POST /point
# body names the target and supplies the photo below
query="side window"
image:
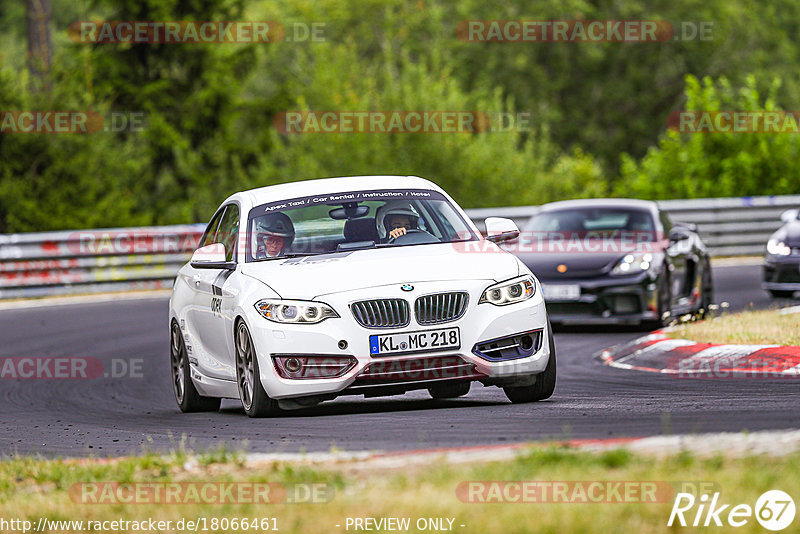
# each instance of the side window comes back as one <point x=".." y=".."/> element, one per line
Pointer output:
<point x="211" y="230"/>
<point x="229" y="230"/>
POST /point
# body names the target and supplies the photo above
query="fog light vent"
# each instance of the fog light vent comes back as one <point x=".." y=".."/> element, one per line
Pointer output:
<point x="304" y="366"/>
<point x="510" y="347"/>
<point x="623" y="304"/>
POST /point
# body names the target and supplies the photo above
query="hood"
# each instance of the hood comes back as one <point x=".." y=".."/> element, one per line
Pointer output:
<point x="309" y="277"/>
<point x="586" y="265"/>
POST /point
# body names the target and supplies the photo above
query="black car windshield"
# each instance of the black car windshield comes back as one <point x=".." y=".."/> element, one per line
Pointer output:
<point x="606" y="222"/>
<point x="323" y="224"/>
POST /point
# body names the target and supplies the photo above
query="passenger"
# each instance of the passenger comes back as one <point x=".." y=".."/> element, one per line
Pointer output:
<point x="274" y="235"/>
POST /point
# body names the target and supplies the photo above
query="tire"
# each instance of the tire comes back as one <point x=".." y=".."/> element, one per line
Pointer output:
<point x="781" y="294"/>
<point x="255" y="401"/>
<point x="706" y="291"/>
<point x="449" y="391"/>
<point x="545" y="381"/>
<point x="662" y="305"/>
<point x="186" y="395"/>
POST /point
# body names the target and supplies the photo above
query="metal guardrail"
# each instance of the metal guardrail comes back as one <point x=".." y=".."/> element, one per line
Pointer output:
<point x="87" y="261"/>
<point x="121" y="259"/>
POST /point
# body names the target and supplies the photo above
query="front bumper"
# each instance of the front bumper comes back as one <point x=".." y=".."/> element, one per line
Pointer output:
<point x="480" y="323"/>
<point x="607" y="300"/>
<point x="781" y="273"/>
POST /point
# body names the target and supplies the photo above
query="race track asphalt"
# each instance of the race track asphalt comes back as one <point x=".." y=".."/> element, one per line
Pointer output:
<point x="117" y="416"/>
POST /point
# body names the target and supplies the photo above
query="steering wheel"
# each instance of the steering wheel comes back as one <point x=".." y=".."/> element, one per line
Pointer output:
<point x="414" y="234"/>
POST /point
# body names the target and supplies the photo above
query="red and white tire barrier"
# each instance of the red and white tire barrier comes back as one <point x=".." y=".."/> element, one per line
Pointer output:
<point x="681" y="358"/>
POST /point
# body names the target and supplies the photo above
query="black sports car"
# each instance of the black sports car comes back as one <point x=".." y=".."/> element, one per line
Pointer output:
<point x="616" y="261"/>
<point x="782" y="260"/>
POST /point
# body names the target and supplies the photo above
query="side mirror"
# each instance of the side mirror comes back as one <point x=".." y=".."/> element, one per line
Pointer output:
<point x="789" y="215"/>
<point x="678" y="234"/>
<point x="499" y="229"/>
<point x="692" y="227"/>
<point x="211" y="257"/>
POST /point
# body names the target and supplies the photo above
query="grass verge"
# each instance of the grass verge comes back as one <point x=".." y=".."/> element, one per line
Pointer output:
<point x="759" y="327"/>
<point x="34" y="488"/>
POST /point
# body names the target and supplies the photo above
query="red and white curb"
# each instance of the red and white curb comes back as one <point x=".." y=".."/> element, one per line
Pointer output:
<point x="448" y="455"/>
<point x="731" y="444"/>
<point x="657" y="353"/>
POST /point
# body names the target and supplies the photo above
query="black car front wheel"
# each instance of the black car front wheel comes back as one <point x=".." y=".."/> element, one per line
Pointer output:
<point x="706" y="290"/>
<point x="663" y="304"/>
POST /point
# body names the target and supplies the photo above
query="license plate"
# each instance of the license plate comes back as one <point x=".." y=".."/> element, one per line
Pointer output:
<point x="406" y="342"/>
<point x="561" y="292"/>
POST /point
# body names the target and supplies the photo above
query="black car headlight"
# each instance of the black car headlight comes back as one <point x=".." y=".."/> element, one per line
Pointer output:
<point x="633" y="264"/>
<point x="777" y="247"/>
<point x="294" y="311"/>
<point x="510" y="291"/>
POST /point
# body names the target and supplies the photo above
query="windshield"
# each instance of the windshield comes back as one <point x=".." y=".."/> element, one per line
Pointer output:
<point x="339" y="222"/>
<point x="599" y="222"/>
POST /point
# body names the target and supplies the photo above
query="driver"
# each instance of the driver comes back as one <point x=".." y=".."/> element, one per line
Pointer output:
<point x="399" y="220"/>
<point x="274" y="234"/>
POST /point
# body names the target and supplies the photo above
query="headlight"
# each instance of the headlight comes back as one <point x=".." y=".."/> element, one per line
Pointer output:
<point x="778" y="248"/>
<point x="510" y="291"/>
<point x="633" y="263"/>
<point x="294" y="311"/>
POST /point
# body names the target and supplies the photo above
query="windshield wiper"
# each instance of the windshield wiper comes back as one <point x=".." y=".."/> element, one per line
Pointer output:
<point x="356" y="245"/>
<point x="301" y="254"/>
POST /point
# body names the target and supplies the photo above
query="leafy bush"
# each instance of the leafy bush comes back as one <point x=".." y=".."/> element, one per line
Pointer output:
<point x="210" y="109"/>
<point x="697" y="165"/>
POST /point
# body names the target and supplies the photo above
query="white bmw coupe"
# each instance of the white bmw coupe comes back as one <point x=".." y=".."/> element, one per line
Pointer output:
<point x="372" y="285"/>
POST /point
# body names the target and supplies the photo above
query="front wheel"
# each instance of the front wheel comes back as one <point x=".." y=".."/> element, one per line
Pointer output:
<point x="545" y="381"/>
<point x="189" y="400"/>
<point x="706" y="291"/>
<point x="663" y="304"/>
<point x="254" y="399"/>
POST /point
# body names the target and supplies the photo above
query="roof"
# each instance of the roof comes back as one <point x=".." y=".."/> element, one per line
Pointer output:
<point x="323" y="186"/>
<point x="601" y="202"/>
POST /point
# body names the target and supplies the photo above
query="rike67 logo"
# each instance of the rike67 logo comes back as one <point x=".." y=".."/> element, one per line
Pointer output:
<point x="774" y="510"/>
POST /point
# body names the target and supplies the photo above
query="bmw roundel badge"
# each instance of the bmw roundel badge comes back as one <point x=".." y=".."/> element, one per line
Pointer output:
<point x="407" y="287"/>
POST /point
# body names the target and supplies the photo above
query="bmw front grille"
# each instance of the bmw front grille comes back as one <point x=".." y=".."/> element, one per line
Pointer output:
<point x="440" y="307"/>
<point x="381" y="313"/>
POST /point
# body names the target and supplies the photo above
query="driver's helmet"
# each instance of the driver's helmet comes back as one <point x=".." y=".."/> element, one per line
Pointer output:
<point x="274" y="224"/>
<point x="386" y="212"/>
